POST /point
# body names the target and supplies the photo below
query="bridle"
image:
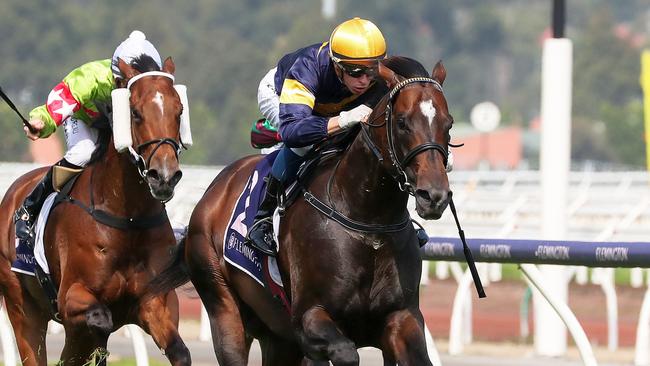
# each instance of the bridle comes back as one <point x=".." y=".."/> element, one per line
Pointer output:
<point x="139" y="160"/>
<point x="136" y="153"/>
<point x="400" y="165"/>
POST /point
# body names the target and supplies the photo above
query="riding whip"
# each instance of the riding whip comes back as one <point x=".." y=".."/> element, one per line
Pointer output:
<point x="13" y="106"/>
<point x="468" y="253"/>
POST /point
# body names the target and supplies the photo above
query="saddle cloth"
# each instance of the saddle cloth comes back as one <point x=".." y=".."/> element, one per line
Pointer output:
<point x="237" y="251"/>
<point x="26" y="259"/>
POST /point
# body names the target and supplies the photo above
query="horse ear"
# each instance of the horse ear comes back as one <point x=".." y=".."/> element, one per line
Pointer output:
<point x="126" y="69"/>
<point x="439" y="72"/>
<point x="389" y="76"/>
<point x="169" y="66"/>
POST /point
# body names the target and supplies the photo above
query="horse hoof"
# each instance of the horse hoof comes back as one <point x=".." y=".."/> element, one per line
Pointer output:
<point x="99" y="317"/>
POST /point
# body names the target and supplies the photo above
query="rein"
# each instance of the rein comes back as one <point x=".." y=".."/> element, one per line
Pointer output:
<point x="103" y="217"/>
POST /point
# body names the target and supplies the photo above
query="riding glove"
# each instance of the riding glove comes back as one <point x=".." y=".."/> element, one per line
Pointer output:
<point x="353" y="116"/>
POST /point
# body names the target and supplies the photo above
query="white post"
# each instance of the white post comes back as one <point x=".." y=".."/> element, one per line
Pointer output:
<point x="9" y="350"/>
<point x="641" y="356"/>
<point x="139" y="344"/>
<point x="424" y="276"/>
<point x="328" y="9"/>
<point x="432" y="351"/>
<point x="205" y="333"/>
<point x="462" y="296"/>
<point x="539" y="284"/>
<point x="550" y="333"/>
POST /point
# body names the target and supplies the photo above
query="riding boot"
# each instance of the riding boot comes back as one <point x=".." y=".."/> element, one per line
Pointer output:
<point x="26" y="215"/>
<point x="261" y="233"/>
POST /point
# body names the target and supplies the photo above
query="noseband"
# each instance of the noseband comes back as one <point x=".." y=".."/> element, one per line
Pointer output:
<point x="139" y="160"/>
<point x="400" y="166"/>
<point x="136" y="154"/>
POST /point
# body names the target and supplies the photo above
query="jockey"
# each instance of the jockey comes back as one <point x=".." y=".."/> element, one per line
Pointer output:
<point x="72" y="104"/>
<point x="314" y="92"/>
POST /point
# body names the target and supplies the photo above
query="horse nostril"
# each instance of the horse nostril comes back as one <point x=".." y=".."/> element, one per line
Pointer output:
<point x="176" y="178"/>
<point x="423" y="194"/>
<point x="152" y="174"/>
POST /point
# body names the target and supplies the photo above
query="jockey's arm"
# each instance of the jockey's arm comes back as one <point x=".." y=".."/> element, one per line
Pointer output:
<point x="73" y="96"/>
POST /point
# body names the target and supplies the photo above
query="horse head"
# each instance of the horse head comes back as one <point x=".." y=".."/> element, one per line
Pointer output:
<point x="416" y="136"/>
<point x="153" y="117"/>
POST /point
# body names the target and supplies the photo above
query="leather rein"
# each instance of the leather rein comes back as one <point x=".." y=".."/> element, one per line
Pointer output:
<point x="400" y="176"/>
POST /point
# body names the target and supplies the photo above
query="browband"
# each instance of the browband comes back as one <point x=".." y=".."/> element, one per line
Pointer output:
<point x="148" y="73"/>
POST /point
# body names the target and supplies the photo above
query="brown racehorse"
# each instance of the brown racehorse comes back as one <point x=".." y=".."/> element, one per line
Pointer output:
<point x="101" y="269"/>
<point x="352" y="282"/>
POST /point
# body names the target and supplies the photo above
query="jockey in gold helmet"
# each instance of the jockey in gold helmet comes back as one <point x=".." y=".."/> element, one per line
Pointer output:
<point x="314" y="92"/>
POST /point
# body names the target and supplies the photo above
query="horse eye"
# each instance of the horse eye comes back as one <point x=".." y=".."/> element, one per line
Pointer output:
<point x="401" y="123"/>
<point x="135" y="115"/>
<point x="178" y="118"/>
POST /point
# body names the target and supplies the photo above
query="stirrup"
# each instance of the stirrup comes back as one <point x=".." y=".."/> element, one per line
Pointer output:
<point x="21" y="214"/>
<point x="269" y="248"/>
<point x="24" y="225"/>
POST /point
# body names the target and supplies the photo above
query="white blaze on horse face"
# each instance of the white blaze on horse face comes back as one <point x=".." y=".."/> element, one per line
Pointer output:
<point x="428" y="110"/>
<point x="158" y="100"/>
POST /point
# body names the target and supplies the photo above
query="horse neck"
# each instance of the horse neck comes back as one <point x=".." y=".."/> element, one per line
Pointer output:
<point x="365" y="188"/>
<point x="118" y="187"/>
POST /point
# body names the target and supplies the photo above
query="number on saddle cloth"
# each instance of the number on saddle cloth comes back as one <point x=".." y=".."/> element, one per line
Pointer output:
<point x="235" y="247"/>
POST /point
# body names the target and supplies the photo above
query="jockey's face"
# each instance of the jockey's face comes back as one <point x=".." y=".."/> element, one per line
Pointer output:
<point x="357" y="78"/>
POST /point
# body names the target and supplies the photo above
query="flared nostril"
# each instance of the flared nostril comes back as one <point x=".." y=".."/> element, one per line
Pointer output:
<point x="434" y="197"/>
<point x="423" y="194"/>
<point x="176" y="178"/>
<point x="152" y="174"/>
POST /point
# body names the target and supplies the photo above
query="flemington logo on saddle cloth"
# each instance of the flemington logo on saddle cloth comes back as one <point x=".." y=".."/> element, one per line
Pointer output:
<point x="235" y="248"/>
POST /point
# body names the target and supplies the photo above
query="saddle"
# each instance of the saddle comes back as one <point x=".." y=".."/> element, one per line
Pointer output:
<point x="237" y="251"/>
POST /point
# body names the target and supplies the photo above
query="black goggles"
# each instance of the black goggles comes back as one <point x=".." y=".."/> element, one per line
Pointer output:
<point x="357" y="71"/>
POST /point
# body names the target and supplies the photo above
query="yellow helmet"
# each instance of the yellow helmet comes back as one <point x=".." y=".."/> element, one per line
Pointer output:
<point x="357" y="40"/>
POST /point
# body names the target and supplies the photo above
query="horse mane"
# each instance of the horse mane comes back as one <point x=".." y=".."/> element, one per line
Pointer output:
<point x="102" y="123"/>
<point x="405" y="66"/>
<point x="144" y="63"/>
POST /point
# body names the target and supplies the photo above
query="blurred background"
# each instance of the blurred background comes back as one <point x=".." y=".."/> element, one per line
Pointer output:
<point x="222" y="48"/>
<point x="492" y="52"/>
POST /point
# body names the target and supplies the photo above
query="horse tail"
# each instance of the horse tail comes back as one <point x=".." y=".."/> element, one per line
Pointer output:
<point x="174" y="275"/>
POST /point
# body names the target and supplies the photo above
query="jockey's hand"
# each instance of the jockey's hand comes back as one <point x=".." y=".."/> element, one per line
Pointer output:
<point x="37" y="126"/>
<point x="354" y="116"/>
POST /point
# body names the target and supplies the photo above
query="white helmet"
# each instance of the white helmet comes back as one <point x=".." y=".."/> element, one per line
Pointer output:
<point x="131" y="48"/>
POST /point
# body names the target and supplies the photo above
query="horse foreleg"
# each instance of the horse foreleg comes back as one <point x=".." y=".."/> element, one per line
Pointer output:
<point x="322" y="339"/>
<point x="403" y="340"/>
<point x="82" y="312"/>
<point x="159" y="317"/>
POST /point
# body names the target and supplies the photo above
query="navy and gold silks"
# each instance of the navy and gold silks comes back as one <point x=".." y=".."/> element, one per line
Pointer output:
<point x="310" y="93"/>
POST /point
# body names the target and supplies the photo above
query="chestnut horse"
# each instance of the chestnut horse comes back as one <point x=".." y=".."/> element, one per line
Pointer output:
<point x="352" y="279"/>
<point x="101" y="268"/>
